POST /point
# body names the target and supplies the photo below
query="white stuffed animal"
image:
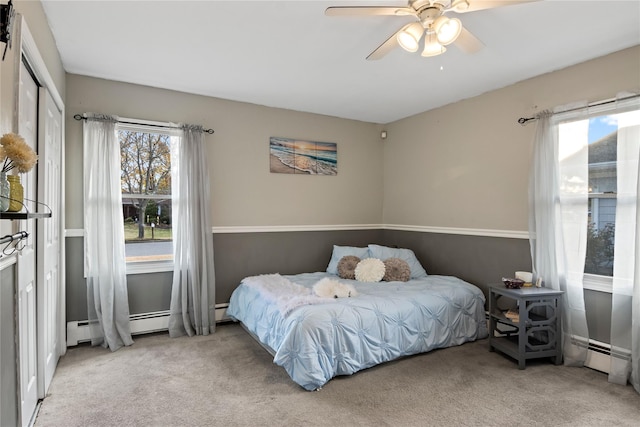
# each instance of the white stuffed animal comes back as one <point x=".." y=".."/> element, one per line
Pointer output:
<point x="329" y="288"/>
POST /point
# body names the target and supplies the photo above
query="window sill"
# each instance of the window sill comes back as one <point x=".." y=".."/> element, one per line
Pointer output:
<point x="147" y="267"/>
<point x="593" y="282"/>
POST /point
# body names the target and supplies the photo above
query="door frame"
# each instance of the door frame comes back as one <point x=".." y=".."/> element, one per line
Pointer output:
<point x="27" y="48"/>
<point x="32" y="55"/>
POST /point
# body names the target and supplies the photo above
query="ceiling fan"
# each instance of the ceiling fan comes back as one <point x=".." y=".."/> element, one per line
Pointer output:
<point x="438" y="29"/>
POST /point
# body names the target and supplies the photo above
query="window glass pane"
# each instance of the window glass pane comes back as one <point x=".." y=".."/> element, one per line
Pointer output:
<point x="603" y="140"/>
<point x="146" y="195"/>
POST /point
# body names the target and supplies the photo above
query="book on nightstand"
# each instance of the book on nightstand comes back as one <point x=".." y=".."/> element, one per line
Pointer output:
<point x="512" y="315"/>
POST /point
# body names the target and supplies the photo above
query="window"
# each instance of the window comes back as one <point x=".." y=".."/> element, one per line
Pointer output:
<point x="602" y="130"/>
<point x="145" y="156"/>
<point x="603" y="143"/>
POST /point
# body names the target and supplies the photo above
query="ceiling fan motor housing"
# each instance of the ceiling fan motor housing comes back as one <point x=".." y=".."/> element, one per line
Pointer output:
<point x="428" y="15"/>
<point x="419" y="5"/>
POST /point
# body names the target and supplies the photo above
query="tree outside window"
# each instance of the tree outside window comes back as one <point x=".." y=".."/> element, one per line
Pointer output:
<point x="603" y="140"/>
<point x="146" y="194"/>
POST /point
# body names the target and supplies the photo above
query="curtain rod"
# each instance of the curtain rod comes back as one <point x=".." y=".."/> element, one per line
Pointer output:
<point x="81" y="117"/>
<point x="524" y="120"/>
<point x="10" y="238"/>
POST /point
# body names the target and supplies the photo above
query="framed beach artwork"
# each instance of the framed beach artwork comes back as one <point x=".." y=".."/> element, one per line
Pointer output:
<point x="295" y="156"/>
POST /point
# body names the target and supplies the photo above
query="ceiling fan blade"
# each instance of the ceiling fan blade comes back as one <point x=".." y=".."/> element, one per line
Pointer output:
<point x="368" y="11"/>
<point x="467" y="42"/>
<point x="475" y="5"/>
<point x="385" y="47"/>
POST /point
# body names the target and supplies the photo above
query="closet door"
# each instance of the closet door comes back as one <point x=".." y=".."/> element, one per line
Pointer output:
<point x="49" y="239"/>
<point x="26" y="263"/>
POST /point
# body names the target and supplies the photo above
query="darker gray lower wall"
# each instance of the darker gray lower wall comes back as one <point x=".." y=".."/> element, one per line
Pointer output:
<point x="236" y="255"/>
<point x="147" y="292"/>
<point x="477" y="259"/>
<point x="597" y="305"/>
<point x="8" y="373"/>
<point x="76" y="286"/>
<point x="239" y="255"/>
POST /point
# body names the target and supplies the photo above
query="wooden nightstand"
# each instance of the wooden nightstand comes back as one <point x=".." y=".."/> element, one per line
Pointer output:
<point x="533" y="329"/>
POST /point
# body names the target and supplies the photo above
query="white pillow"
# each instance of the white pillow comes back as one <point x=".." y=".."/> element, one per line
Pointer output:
<point x="370" y="270"/>
<point x="384" y="252"/>
<point x="340" y="251"/>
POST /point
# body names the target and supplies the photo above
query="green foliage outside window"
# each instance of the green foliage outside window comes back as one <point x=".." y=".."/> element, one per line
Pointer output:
<point x="600" y="245"/>
<point x="146" y="170"/>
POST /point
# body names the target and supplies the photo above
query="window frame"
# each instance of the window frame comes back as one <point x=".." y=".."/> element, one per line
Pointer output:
<point x="596" y="282"/>
<point x="151" y="266"/>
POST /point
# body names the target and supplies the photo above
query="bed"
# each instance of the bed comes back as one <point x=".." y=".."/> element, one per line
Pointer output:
<point x="317" y="338"/>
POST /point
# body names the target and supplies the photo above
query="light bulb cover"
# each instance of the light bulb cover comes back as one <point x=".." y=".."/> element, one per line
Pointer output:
<point x="460" y="5"/>
<point x="447" y="29"/>
<point x="431" y="46"/>
<point x="409" y="37"/>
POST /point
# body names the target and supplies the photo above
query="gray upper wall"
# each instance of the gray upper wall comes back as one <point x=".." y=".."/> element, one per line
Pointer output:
<point x="243" y="191"/>
<point x="467" y="164"/>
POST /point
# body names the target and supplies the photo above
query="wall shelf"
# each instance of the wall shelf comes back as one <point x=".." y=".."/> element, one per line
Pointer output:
<point x="24" y="215"/>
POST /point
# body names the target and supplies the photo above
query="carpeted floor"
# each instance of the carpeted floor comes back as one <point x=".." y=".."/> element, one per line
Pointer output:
<point x="227" y="379"/>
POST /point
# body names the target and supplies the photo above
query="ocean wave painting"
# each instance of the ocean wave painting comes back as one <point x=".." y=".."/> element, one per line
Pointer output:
<point x="303" y="157"/>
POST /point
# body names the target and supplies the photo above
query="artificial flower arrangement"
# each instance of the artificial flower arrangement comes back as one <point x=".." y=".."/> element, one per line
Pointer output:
<point x="16" y="153"/>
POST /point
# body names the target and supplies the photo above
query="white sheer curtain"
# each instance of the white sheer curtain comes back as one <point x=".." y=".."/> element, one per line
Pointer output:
<point x="193" y="291"/>
<point x="558" y="198"/>
<point x="625" y="310"/>
<point x="105" y="267"/>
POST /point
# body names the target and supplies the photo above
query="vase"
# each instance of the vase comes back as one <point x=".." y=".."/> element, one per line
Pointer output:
<point x="16" y="193"/>
<point x="4" y="192"/>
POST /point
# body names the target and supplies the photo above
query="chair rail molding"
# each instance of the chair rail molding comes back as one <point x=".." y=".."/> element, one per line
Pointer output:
<point x="508" y="234"/>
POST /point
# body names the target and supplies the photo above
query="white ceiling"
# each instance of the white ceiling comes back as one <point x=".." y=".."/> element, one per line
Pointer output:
<point x="288" y="54"/>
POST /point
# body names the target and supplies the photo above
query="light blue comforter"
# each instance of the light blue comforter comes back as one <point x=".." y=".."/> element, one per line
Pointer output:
<point x="387" y="320"/>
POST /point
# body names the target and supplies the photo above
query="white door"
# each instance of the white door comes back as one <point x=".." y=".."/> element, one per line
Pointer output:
<point x="48" y="240"/>
<point x="26" y="265"/>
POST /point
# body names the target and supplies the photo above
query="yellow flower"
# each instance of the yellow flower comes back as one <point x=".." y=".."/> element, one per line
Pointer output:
<point x="16" y="153"/>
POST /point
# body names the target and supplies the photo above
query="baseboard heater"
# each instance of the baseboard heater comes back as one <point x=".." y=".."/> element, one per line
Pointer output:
<point x="143" y="323"/>
<point x="599" y="354"/>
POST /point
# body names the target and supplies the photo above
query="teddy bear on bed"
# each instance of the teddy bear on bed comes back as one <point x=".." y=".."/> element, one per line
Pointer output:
<point x="330" y="288"/>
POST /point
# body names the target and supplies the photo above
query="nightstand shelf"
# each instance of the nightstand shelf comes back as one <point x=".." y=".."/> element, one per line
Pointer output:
<point x="536" y="333"/>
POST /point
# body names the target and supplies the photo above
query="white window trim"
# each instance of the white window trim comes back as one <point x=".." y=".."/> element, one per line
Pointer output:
<point x="131" y="196"/>
<point x="595" y="282"/>
<point x="145" y="267"/>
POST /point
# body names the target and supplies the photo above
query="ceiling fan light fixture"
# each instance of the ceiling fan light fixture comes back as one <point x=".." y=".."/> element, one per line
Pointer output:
<point x="460" y="5"/>
<point x="409" y="37"/>
<point x="431" y="46"/>
<point x="447" y="29"/>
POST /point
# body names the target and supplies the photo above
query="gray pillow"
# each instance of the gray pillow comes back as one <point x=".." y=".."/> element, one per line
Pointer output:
<point x="396" y="270"/>
<point x="347" y="267"/>
<point x="340" y="251"/>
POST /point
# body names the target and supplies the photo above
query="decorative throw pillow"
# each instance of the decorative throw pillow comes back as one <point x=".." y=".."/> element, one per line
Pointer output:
<point x="369" y="270"/>
<point x="396" y="270"/>
<point x="384" y="252"/>
<point x="347" y="267"/>
<point x="340" y="251"/>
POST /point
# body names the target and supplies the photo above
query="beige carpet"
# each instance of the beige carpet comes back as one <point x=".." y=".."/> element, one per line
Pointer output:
<point x="227" y="379"/>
